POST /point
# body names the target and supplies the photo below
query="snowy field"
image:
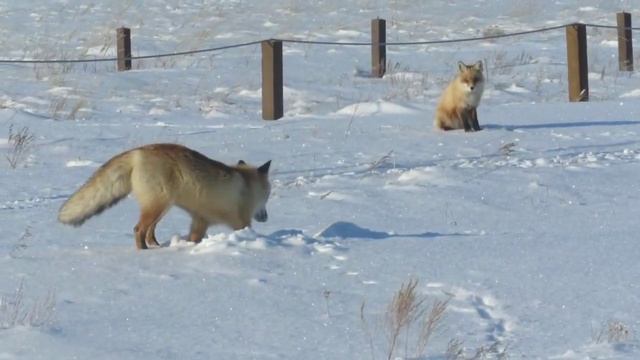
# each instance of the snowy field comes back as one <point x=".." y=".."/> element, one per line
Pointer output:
<point x="527" y="229"/>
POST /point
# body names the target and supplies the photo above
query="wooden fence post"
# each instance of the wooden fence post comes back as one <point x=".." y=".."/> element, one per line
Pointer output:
<point x="123" y="45"/>
<point x="577" y="62"/>
<point x="272" y="95"/>
<point x="625" y="46"/>
<point x="378" y="51"/>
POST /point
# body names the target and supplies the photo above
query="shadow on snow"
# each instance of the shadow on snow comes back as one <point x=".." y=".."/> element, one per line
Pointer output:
<point x="561" y="125"/>
<point x="348" y="230"/>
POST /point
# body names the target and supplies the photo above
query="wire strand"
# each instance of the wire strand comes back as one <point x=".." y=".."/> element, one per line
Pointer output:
<point x="310" y="42"/>
<point x="429" y="42"/>
<point x="612" y="27"/>
<point x="181" y="53"/>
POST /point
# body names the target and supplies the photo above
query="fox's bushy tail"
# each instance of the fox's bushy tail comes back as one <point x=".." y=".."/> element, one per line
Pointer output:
<point x="106" y="187"/>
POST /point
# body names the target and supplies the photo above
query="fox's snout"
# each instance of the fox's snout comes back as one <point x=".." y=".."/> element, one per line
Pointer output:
<point x="261" y="215"/>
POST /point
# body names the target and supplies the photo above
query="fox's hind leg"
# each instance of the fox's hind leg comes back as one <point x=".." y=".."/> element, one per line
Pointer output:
<point x="198" y="228"/>
<point x="150" y="237"/>
<point x="149" y="217"/>
<point x="139" y="235"/>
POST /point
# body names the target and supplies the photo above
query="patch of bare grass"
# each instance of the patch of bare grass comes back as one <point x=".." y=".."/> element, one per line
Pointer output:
<point x="20" y="143"/>
<point x="14" y="310"/>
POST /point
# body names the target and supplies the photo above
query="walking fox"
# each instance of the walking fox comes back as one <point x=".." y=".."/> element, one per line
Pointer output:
<point x="458" y="104"/>
<point x="162" y="175"/>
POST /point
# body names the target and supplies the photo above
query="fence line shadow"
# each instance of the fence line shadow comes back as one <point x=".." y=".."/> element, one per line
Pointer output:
<point x="562" y="125"/>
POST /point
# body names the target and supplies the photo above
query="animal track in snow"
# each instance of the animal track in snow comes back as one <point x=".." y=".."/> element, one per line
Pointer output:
<point x="497" y="323"/>
<point x="481" y="309"/>
<point x="33" y="202"/>
<point x="575" y="160"/>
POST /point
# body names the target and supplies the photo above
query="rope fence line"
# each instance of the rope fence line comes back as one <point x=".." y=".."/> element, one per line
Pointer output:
<point x="428" y="42"/>
<point x="181" y="53"/>
<point x="191" y="52"/>
<point x="612" y="27"/>
<point x="309" y="42"/>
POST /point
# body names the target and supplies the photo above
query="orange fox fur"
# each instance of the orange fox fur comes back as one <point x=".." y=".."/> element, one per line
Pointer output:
<point x="162" y="175"/>
<point x="457" y="108"/>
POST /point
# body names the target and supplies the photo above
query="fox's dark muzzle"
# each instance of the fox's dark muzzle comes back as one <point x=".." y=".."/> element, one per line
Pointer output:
<point x="261" y="215"/>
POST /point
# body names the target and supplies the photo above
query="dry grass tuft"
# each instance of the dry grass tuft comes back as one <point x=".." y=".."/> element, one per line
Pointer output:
<point x="612" y="332"/>
<point x="430" y="323"/>
<point x="404" y="309"/>
<point x="14" y="312"/>
<point x="408" y="320"/>
<point x="20" y="144"/>
<point x="21" y="245"/>
<point x="456" y="351"/>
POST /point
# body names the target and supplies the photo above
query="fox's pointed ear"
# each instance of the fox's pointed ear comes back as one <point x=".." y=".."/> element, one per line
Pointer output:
<point x="478" y="65"/>
<point x="264" y="169"/>
<point x="461" y="66"/>
<point x="241" y="162"/>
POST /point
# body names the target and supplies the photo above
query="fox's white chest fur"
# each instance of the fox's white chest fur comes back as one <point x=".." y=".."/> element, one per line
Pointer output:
<point x="473" y="94"/>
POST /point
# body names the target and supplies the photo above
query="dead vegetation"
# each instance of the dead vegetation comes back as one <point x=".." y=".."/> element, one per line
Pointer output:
<point x="409" y="322"/>
<point x="20" y="143"/>
<point x="612" y="332"/>
<point x="14" y="311"/>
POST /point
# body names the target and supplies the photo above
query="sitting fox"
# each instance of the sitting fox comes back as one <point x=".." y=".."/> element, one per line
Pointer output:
<point x="458" y="104"/>
<point x="162" y="175"/>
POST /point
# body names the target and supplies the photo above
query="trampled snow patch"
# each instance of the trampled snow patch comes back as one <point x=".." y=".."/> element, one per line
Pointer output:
<point x="609" y="43"/>
<point x="60" y="90"/>
<point x="631" y="94"/>
<point x="81" y="163"/>
<point x="348" y="33"/>
<point x="517" y="89"/>
<point x="225" y="36"/>
<point x="604" y="350"/>
<point x="331" y="195"/>
<point x="215" y="114"/>
<point x="156" y="111"/>
<point x="423" y="176"/>
<point x="230" y="243"/>
<point x="375" y="108"/>
<point x="251" y="94"/>
<point x="242" y="241"/>
<point x="101" y="51"/>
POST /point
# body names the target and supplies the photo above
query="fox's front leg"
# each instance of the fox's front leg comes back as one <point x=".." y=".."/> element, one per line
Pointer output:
<point x="474" y="120"/>
<point x="467" y="122"/>
<point x="198" y="228"/>
<point x="242" y="221"/>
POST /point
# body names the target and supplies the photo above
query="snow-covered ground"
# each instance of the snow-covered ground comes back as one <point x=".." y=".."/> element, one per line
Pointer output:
<point x="528" y="228"/>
